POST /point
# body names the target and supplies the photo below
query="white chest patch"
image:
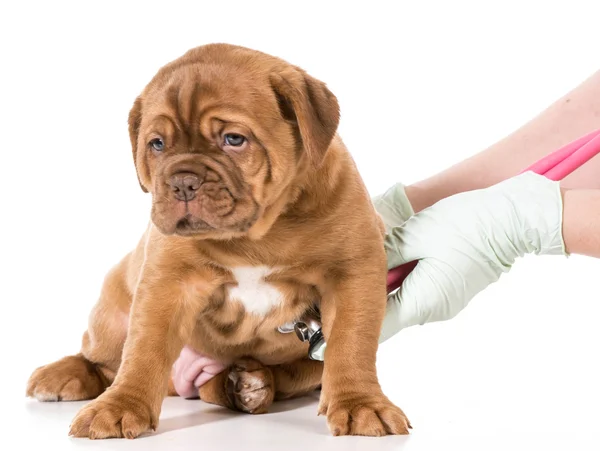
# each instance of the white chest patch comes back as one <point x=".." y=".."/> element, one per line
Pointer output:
<point x="256" y="295"/>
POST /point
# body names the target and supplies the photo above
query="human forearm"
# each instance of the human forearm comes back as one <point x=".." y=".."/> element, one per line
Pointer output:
<point x="581" y="221"/>
<point x="574" y="115"/>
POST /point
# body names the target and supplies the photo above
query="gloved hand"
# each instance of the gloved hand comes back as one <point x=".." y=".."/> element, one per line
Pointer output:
<point x="464" y="243"/>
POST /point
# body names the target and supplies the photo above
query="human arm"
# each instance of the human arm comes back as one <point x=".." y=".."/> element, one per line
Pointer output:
<point x="581" y="221"/>
<point x="573" y="115"/>
<point x="467" y="241"/>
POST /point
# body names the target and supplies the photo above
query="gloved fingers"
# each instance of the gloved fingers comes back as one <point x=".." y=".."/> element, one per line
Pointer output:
<point x="393" y="206"/>
<point x="408" y="242"/>
<point x="431" y="292"/>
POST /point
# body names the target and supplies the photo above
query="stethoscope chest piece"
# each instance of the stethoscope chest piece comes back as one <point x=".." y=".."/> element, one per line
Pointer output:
<point x="311" y="332"/>
<point x="308" y="329"/>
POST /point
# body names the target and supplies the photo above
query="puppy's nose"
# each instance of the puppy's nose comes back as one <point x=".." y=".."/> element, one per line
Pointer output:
<point x="184" y="185"/>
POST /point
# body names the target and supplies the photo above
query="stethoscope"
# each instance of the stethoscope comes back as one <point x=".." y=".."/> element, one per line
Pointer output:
<point x="554" y="166"/>
<point x="308" y="329"/>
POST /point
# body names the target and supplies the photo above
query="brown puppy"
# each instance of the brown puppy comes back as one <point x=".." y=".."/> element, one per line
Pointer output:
<point x="258" y="213"/>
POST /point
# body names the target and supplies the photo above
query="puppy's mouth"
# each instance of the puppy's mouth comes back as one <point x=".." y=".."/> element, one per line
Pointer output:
<point x="202" y="198"/>
<point x="189" y="225"/>
<point x="199" y="217"/>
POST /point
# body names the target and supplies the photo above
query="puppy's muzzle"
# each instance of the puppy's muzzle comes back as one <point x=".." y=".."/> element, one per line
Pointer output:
<point x="184" y="185"/>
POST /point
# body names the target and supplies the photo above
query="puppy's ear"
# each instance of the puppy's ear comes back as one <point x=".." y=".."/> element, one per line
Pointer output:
<point x="135" y="117"/>
<point x="308" y="102"/>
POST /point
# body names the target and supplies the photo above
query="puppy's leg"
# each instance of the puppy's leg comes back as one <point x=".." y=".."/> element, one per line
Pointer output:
<point x="87" y="374"/>
<point x="251" y="387"/>
<point x="297" y="378"/>
<point x="352" y="313"/>
<point x="163" y="316"/>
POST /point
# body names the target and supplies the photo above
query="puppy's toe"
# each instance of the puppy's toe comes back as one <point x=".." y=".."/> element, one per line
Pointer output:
<point x="372" y="416"/>
<point x="251" y="386"/>
<point x="72" y="378"/>
<point x="113" y="415"/>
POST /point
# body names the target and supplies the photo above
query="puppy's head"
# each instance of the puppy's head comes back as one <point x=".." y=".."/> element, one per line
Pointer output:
<point x="223" y="136"/>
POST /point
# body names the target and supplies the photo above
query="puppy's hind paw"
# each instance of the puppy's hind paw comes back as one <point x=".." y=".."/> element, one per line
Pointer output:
<point x="72" y="378"/>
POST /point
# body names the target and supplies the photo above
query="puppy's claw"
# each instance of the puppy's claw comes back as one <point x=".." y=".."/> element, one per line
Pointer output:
<point x="72" y="378"/>
<point x="113" y="416"/>
<point x="252" y="386"/>
<point x="374" y="417"/>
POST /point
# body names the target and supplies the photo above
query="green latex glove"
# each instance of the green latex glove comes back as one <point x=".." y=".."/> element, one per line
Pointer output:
<point x="464" y="243"/>
<point x="394" y="207"/>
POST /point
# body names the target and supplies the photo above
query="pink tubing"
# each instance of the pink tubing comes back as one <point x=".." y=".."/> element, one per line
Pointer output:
<point x="565" y="160"/>
<point x="554" y="166"/>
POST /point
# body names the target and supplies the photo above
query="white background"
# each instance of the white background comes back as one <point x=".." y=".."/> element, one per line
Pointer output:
<point x="421" y="85"/>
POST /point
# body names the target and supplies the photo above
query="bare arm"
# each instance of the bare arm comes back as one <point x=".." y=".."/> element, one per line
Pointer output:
<point x="581" y="221"/>
<point x="575" y="114"/>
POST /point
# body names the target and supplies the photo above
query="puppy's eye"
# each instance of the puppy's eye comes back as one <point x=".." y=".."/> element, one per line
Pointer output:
<point x="234" y="139"/>
<point x="157" y="144"/>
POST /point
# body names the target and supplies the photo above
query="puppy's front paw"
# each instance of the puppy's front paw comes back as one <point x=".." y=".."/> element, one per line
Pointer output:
<point x="364" y="414"/>
<point x="113" y="415"/>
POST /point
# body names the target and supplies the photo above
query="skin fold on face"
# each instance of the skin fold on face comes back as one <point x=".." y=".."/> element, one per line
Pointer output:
<point x="213" y="146"/>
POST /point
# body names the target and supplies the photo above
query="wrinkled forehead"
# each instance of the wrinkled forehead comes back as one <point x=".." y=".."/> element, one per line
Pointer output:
<point x="198" y="91"/>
